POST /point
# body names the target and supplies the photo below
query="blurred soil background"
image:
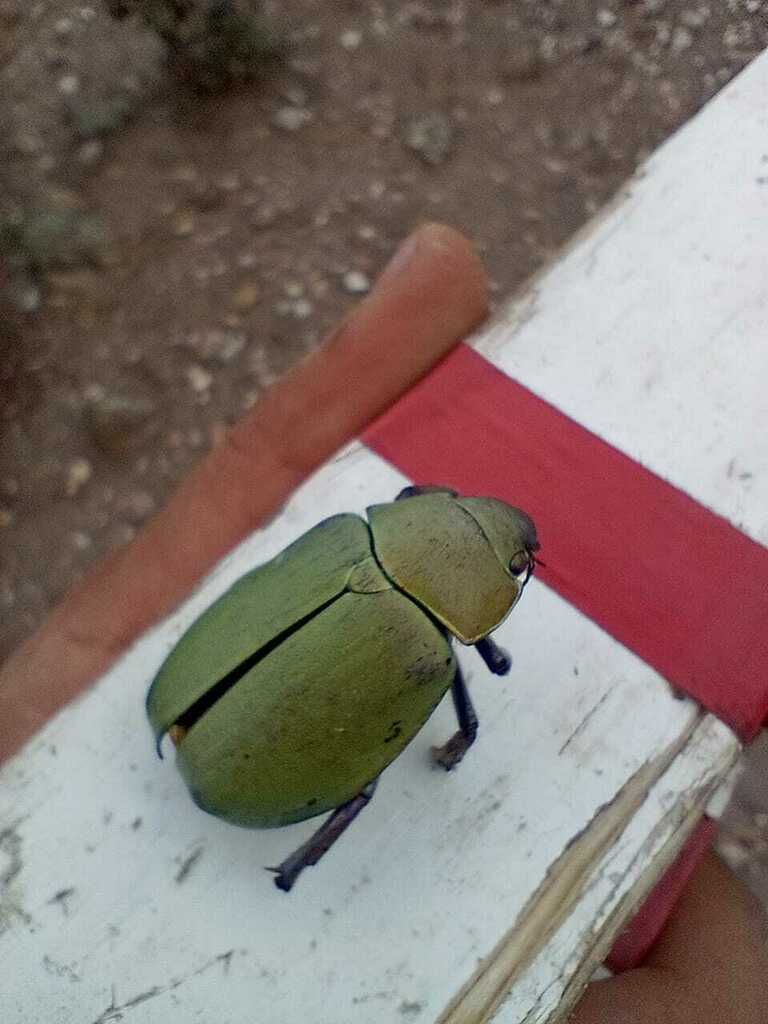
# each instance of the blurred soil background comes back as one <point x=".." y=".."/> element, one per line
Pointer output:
<point x="167" y="250"/>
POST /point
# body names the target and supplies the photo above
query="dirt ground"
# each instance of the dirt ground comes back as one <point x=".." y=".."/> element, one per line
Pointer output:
<point x="179" y="252"/>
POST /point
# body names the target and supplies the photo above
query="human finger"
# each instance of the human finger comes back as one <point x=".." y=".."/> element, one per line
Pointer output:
<point x="431" y="295"/>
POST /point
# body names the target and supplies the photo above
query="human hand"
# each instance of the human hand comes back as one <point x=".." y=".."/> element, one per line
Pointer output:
<point x="708" y="965"/>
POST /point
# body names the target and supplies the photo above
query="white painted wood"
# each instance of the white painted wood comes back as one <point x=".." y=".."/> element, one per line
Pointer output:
<point x="615" y="882"/>
<point x="119" y="900"/>
<point x="653" y="330"/>
<point x="433" y="873"/>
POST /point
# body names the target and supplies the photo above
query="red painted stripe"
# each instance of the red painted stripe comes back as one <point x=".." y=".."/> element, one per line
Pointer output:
<point x="665" y="576"/>
<point x="635" y="942"/>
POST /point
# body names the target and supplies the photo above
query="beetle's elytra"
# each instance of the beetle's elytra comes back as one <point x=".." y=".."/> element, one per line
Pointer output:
<point x="290" y="695"/>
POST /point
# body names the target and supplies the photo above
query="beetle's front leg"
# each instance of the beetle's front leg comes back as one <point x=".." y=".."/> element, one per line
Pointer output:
<point x="495" y="657"/>
<point x="451" y="753"/>
<point x="321" y="841"/>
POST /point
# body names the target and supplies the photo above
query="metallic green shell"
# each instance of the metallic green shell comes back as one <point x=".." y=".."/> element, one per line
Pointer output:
<point x="260" y="606"/>
<point x="322" y="715"/>
<point x="434" y="547"/>
<point x="312" y="673"/>
<point x="508" y="530"/>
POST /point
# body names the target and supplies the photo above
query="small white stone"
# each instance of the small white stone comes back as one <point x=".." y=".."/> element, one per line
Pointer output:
<point x="351" y="38"/>
<point x="293" y="289"/>
<point x="247" y="260"/>
<point x="90" y="152"/>
<point x="78" y="475"/>
<point x="356" y="282"/>
<point x="199" y="378"/>
<point x="68" y="85"/>
<point x="695" y="17"/>
<point x="681" y="39"/>
<point x="291" y="119"/>
<point x="606" y="18"/>
<point x="63" y="27"/>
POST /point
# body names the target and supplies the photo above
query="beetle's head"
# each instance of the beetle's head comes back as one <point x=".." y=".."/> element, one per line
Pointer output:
<point x="510" y="532"/>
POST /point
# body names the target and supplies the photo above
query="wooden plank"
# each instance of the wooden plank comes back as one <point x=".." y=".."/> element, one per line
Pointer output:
<point x="158" y="895"/>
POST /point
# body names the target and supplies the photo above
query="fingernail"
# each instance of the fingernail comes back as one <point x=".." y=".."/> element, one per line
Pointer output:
<point x="402" y="258"/>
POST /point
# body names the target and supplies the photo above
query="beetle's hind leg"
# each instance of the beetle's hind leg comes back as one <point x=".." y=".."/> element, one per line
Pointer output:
<point x="321" y="841"/>
<point x="495" y="657"/>
<point x="451" y="753"/>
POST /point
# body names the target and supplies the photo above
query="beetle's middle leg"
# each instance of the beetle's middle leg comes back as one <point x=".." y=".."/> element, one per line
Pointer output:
<point x="449" y="755"/>
<point x="321" y="841"/>
<point x="495" y="657"/>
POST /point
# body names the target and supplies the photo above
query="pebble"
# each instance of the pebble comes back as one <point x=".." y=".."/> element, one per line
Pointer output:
<point x="298" y="308"/>
<point x="291" y="119"/>
<point x="695" y="17"/>
<point x="293" y="289"/>
<point x="296" y="95"/>
<point x="27" y="143"/>
<point x="138" y="505"/>
<point x="90" y="152"/>
<point x="216" y="345"/>
<point x="430" y="135"/>
<point x="356" y="282"/>
<point x="69" y="85"/>
<point x="7" y="517"/>
<point x="183" y="224"/>
<point x="682" y="39"/>
<point x="79" y="473"/>
<point x="247" y="260"/>
<point x="606" y="18"/>
<point x="25" y="295"/>
<point x="351" y="38"/>
<point x="63" y="27"/>
<point x="116" y="423"/>
<point x="199" y="378"/>
<point x="81" y="540"/>
<point x="246" y="296"/>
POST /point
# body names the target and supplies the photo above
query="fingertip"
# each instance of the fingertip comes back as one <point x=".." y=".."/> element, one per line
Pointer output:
<point x="438" y="251"/>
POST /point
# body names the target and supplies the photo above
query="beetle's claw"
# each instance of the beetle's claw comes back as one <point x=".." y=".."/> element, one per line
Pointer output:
<point x="282" y="883"/>
<point x="451" y="753"/>
<point x="502" y="664"/>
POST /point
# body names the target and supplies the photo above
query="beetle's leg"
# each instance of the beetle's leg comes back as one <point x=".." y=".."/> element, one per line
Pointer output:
<point x="321" y="841"/>
<point x="495" y="657"/>
<point x="449" y="755"/>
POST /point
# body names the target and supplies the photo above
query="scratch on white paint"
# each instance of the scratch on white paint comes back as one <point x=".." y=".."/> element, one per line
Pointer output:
<point x="555" y="899"/>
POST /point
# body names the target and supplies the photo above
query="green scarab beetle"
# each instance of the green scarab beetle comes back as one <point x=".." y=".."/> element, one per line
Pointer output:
<point x="290" y="695"/>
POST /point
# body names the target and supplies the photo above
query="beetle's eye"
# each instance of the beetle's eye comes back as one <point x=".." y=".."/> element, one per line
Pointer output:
<point x="520" y="563"/>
